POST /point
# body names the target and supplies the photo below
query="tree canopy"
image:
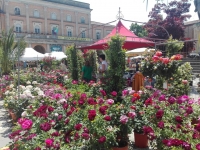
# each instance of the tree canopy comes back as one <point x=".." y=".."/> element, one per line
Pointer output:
<point x="138" y="30"/>
<point x="176" y="14"/>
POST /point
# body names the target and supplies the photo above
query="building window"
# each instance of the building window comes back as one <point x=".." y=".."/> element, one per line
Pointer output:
<point x="54" y="30"/>
<point x="53" y="16"/>
<point x="37" y="29"/>
<point x="18" y="28"/>
<point x="83" y="34"/>
<point x="36" y="13"/>
<point x="98" y="35"/>
<point x="82" y="20"/>
<point x="69" y="32"/>
<point x="17" y="11"/>
<point x="69" y="18"/>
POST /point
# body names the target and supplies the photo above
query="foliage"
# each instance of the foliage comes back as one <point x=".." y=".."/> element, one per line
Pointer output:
<point x="75" y="62"/>
<point x="173" y="46"/>
<point x="138" y="30"/>
<point x="180" y="80"/>
<point x="170" y="121"/>
<point x="174" y="22"/>
<point x="116" y="58"/>
<point x="9" y="50"/>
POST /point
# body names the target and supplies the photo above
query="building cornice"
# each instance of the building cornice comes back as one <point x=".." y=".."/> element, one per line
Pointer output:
<point x="52" y="5"/>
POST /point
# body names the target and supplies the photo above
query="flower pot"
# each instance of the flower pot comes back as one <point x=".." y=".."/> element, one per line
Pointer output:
<point x="141" y="140"/>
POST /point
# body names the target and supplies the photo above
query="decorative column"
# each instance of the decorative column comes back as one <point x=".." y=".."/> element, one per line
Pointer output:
<point x="7" y="17"/>
<point x="27" y="19"/>
<point x="45" y="19"/>
<point x="89" y="22"/>
<point x="61" y="18"/>
<point x="64" y="48"/>
<point x="48" y="49"/>
<point x="76" y="17"/>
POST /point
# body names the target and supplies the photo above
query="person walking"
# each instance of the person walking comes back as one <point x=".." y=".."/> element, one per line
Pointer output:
<point x="87" y="72"/>
<point x="103" y="66"/>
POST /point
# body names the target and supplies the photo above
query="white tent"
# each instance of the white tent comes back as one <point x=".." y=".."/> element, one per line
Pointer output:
<point x="137" y="57"/>
<point x="139" y="51"/>
<point x="57" y="55"/>
<point x="30" y="55"/>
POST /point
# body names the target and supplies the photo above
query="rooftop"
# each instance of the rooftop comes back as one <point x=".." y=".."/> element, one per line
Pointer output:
<point x="71" y="3"/>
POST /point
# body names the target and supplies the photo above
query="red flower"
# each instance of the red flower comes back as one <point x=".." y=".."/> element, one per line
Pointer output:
<point x="91" y="101"/>
<point x="159" y="114"/>
<point x="103" y="92"/>
<point x="107" y="118"/>
<point x="50" y="109"/>
<point x="161" y="124"/>
<point x="155" y="58"/>
<point x="165" y="60"/>
<point x="147" y="130"/>
<point x="27" y="124"/>
<point x="197" y="127"/>
<point x="102" y="139"/>
<point x="103" y="109"/>
<point x="131" y="115"/>
<point x="198" y="146"/>
<point x="91" y="114"/>
<point x="148" y="101"/>
<point x="78" y="126"/>
<point x="179" y="119"/>
<point x="45" y="126"/>
<point x="60" y="117"/>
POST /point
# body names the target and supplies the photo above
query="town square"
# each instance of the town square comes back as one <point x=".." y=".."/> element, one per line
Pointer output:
<point x="99" y="75"/>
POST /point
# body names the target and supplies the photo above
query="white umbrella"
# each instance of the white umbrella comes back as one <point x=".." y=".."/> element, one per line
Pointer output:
<point x="138" y="57"/>
<point x="58" y="55"/>
<point x="30" y="55"/>
<point x="138" y="51"/>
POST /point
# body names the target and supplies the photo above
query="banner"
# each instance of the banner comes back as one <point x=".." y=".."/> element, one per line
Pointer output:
<point x="73" y="38"/>
<point x="56" y="48"/>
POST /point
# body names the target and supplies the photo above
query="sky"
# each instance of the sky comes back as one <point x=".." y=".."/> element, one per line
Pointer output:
<point x="106" y="10"/>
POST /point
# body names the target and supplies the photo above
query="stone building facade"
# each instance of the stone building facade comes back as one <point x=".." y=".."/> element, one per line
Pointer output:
<point x="192" y="31"/>
<point x="51" y="25"/>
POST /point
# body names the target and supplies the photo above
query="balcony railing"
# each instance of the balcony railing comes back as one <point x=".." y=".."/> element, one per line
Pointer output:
<point x="44" y="36"/>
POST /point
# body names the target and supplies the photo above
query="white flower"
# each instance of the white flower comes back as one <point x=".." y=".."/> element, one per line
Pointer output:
<point x="61" y="101"/>
<point x="23" y="96"/>
<point x="65" y="77"/>
<point x="24" y="114"/>
<point x="11" y="86"/>
<point x="56" y="114"/>
<point x="34" y="82"/>
<point x="27" y="93"/>
<point x="7" y="92"/>
<point x="37" y="89"/>
<point x="40" y="93"/>
<point x="28" y="82"/>
<point x="29" y="87"/>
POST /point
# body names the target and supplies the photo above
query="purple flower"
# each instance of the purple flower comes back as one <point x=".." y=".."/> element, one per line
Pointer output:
<point x="182" y="99"/>
<point x="74" y="82"/>
<point x="110" y="101"/>
<point x="27" y="124"/>
<point x="123" y="119"/>
<point x="159" y="114"/>
<point x="86" y="136"/>
<point x="102" y="139"/>
<point x="189" y="110"/>
<point x="49" y="142"/>
<point x="114" y="93"/>
<point x="171" y="100"/>
<point x="198" y="146"/>
<point x="162" y="98"/>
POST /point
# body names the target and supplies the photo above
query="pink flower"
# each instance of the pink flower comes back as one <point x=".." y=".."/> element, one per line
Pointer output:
<point x="165" y="60"/>
<point x="123" y="119"/>
<point x="50" y="109"/>
<point x="158" y="53"/>
<point x="49" y="142"/>
<point x="45" y="126"/>
<point x="86" y="136"/>
<point x="74" y="82"/>
<point x="103" y="109"/>
<point x="91" y="114"/>
<point x="155" y="58"/>
<point x="162" y="98"/>
<point x="102" y="139"/>
<point x="114" y="93"/>
<point x="27" y="124"/>
<point x="185" y="81"/>
<point x="131" y="115"/>
<point x="125" y="92"/>
<point x="147" y="130"/>
<point x="171" y="100"/>
<point x="103" y="92"/>
<point x="110" y="101"/>
<point x="179" y="119"/>
<point x="198" y="146"/>
<point x="161" y="124"/>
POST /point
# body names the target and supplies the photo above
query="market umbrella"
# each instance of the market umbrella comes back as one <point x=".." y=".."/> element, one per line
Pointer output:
<point x="131" y="40"/>
<point x="31" y="55"/>
<point x="58" y="55"/>
<point x="138" y="51"/>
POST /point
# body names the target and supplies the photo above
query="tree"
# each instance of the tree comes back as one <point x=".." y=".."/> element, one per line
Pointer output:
<point x="138" y="30"/>
<point x="10" y="50"/>
<point x="173" y="23"/>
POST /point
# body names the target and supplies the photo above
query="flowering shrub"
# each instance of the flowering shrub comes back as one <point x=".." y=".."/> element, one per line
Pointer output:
<point x="169" y="121"/>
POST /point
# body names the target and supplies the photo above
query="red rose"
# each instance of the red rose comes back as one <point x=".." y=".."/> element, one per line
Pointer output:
<point x="86" y="136"/>
<point x="91" y="114"/>
<point x="78" y="126"/>
<point x="107" y="118"/>
<point x="159" y="114"/>
<point x="103" y="109"/>
<point x="161" y="124"/>
<point x="158" y="53"/>
<point x="179" y="119"/>
<point x="114" y="93"/>
<point x="50" y="109"/>
<point x="102" y="139"/>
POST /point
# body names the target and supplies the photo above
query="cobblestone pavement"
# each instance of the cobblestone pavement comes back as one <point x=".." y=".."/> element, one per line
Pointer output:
<point x="6" y="123"/>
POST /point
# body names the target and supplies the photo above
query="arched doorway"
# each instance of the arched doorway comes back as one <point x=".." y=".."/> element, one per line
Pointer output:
<point x="39" y="49"/>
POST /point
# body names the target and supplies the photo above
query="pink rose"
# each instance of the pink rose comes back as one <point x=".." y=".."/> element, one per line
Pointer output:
<point x="49" y="142"/>
<point x="158" y="53"/>
<point x="123" y="119"/>
<point x="110" y="101"/>
<point x="185" y="81"/>
<point x="131" y="115"/>
<point x="102" y="139"/>
<point x="27" y="124"/>
<point x="165" y="60"/>
<point x="114" y="93"/>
